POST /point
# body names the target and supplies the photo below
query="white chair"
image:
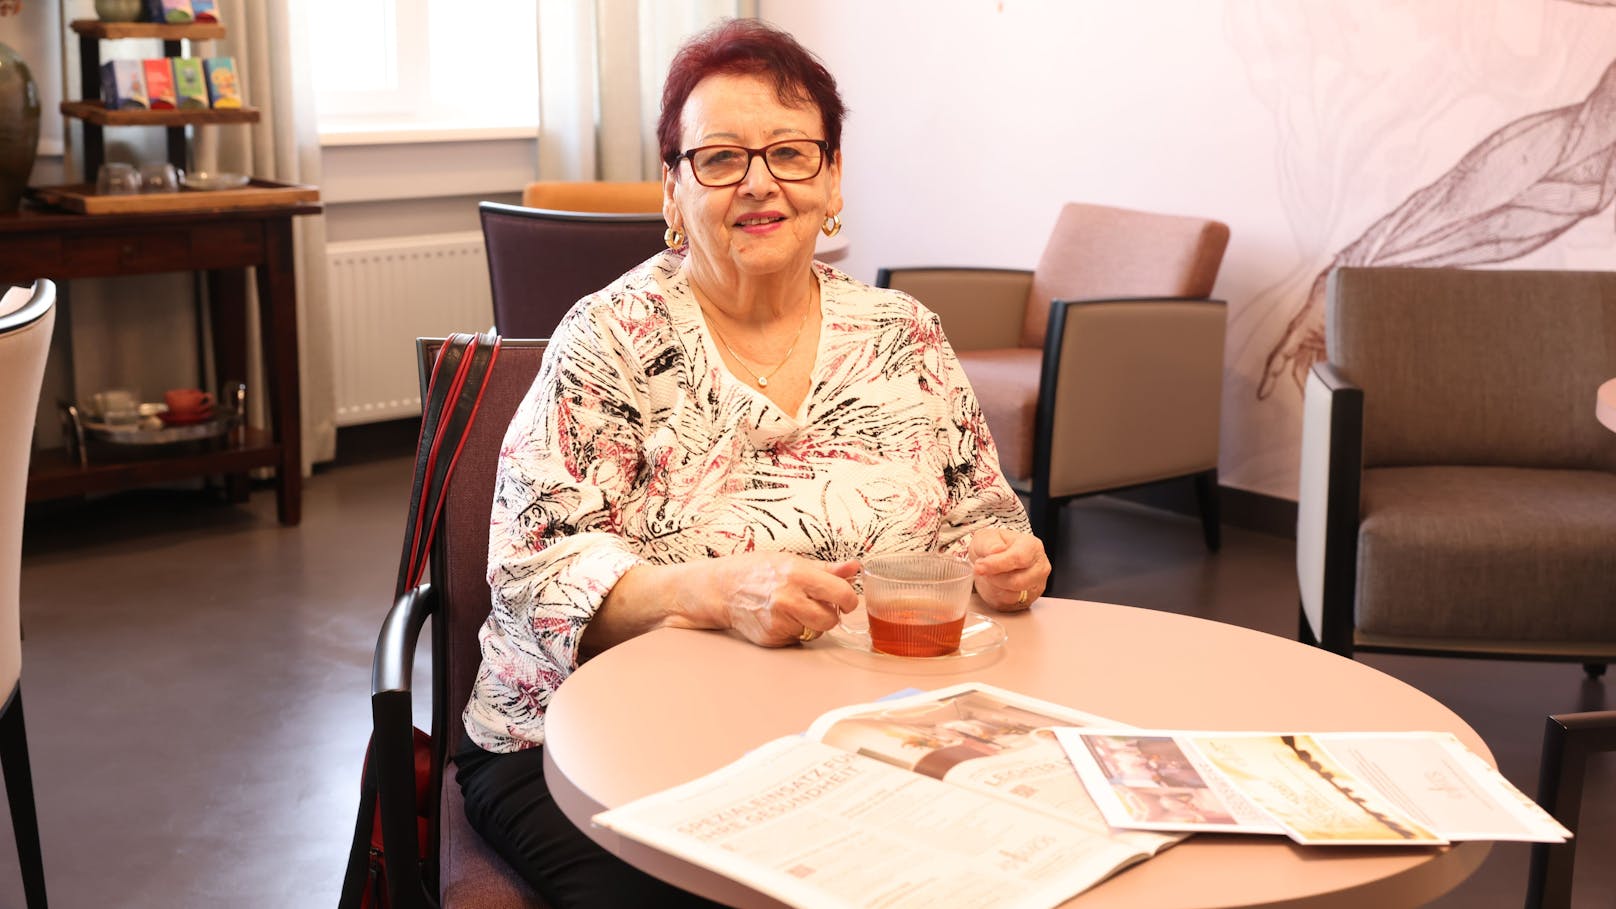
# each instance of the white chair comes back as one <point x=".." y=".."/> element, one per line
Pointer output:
<point x="24" y="341"/>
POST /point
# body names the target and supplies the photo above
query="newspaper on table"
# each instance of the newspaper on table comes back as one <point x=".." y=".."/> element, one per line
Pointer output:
<point x="1336" y="788"/>
<point x="958" y="797"/>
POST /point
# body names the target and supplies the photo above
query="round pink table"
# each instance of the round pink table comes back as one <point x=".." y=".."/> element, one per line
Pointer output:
<point x="1605" y="405"/>
<point x="673" y="705"/>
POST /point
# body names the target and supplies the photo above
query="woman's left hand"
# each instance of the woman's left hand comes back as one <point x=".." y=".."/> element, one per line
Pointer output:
<point x="1011" y="568"/>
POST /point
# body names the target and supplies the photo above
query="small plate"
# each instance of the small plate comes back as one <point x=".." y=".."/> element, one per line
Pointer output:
<point x="205" y="181"/>
<point x="982" y="635"/>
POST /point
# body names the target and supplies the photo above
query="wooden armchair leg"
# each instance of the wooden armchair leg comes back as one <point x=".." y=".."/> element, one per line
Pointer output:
<point x="1207" y="497"/>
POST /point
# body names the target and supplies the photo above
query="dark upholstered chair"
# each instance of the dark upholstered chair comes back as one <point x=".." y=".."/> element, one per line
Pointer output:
<point x="1458" y="495"/>
<point x="462" y="872"/>
<point x="594" y="195"/>
<point x="1101" y="369"/>
<point x="25" y="333"/>
<point x="541" y="261"/>
<point x="1569" y="740"/>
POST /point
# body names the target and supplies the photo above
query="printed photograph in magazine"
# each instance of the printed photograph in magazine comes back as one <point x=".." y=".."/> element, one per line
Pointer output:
<point x="1397" y="788"/>
<point x="958" y="797"/>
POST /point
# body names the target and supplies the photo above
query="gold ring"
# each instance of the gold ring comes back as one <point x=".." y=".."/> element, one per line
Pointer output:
<point x="1022" y="600"/>
<point x="808" y="634"/>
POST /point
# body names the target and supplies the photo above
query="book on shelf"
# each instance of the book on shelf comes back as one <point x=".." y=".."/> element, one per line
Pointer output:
<point x="173" y="12"/>
<point x="159" y="73"/>
<point x="221" y="77"/>
<point x="123" y="85"/>
<point x="959" y="797"/>
<point x="190" y="86"/>
<point x="1321" y="788"/>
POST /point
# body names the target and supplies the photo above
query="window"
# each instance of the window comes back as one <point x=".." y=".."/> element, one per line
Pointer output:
<point x="425" y="65"/>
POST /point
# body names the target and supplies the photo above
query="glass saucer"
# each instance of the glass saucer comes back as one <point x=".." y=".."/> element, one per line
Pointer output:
<point x="982" y="635"/>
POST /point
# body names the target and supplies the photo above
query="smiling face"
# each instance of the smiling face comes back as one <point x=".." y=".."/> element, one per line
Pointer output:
<point x="760" y="227"/>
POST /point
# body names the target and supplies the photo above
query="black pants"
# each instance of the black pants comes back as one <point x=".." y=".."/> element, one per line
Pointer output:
<point x="508" y="802"/>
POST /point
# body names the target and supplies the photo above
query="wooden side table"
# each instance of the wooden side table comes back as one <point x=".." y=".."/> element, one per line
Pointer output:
<point x="223" y="244"/>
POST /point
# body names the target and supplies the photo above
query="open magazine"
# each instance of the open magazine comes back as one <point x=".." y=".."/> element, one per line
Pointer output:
<point x="958" y="797"/>
<point x="1336" y="788"/>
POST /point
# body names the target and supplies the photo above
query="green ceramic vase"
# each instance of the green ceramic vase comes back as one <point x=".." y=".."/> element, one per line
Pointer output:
<point x="19" y="127"/>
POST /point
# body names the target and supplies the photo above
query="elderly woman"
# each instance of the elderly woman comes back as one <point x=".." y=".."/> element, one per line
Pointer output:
<point x="716" y="439"/>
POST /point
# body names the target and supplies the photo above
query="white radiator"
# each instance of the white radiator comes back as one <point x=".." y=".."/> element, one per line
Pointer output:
<point x="384" y="295"/>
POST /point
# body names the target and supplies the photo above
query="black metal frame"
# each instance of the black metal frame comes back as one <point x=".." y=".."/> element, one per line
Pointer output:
<point x="20" y="798"/>
<point x="1569" y="739"/>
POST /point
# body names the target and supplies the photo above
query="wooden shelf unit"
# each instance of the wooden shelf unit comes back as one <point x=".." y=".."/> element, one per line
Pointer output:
<point x="114" y="31"/>
<point x="99" y="114"/>
<point x="94" y="113"/>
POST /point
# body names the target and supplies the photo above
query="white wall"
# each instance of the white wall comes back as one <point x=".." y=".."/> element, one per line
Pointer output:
<point x="1298" y="124"/>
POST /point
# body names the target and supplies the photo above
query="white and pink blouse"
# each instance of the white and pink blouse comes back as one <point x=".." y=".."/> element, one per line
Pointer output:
<point x="637" y="445"/>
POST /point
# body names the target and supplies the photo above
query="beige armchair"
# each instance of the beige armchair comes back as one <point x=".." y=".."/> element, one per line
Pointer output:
<point x="1458" y="494"/>
<point x="1101" y="369"/>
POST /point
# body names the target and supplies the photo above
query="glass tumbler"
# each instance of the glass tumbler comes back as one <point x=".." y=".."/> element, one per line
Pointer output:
<point x="159" y="177"/>
<point x="117" y="179"/>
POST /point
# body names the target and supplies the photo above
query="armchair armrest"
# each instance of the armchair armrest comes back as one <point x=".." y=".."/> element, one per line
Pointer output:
<point x="1132" y="390"/>
<point x="1327" y="506"/>
<point x="392" y="744"/>
<point x="981" y="308"/>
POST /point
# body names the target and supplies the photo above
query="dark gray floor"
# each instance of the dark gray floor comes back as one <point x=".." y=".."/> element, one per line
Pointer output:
<point x="196" y="675"/>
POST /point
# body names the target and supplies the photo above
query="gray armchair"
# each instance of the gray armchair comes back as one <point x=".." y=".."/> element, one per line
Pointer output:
<point x="1457" y="495"/>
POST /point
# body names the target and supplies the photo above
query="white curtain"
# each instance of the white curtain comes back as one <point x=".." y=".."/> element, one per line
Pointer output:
<point x="601" y="67"/>
<point x="269" y="42"/>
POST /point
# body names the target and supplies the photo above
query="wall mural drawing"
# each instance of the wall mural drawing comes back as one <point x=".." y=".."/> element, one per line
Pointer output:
<point x="1463" y="133"/>
<point x="1522" y="187"/>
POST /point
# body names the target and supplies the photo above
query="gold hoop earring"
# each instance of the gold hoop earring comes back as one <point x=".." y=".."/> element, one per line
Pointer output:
<point x="674" y="237"/>
<point x="833" y="225"/>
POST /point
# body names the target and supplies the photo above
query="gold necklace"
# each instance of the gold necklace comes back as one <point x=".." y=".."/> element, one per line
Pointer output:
<point x="763" y="380"/>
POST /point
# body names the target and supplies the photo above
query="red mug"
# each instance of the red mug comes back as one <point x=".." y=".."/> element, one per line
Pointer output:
<point x="188" y="402"/>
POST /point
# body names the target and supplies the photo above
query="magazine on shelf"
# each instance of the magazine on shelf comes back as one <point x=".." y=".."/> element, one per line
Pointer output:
<point x="957" y="797"/>
<point x="1321" y="788"/>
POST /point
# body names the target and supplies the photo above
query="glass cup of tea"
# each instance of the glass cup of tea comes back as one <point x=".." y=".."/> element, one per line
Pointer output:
<point x="915" y="603"/>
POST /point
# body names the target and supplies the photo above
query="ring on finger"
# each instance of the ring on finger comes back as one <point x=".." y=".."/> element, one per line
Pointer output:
<point x="808" y="634"/>
<point x="1022" y="600"/>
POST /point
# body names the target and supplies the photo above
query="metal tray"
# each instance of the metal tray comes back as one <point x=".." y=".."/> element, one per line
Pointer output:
<point x="143" y="434"/>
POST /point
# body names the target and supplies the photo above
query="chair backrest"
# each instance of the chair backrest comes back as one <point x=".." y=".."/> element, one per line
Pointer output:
<point x="459" y="561"/>
<point x="1476" y="367"/>
<point x="25" y="335"/>
<point x="1098" y="252"/>
<point x="595" y="196"/>
<point x="542" y="261"/>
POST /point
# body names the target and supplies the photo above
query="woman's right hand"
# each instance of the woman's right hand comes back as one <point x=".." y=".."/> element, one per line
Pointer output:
<point x="770" y="598"/>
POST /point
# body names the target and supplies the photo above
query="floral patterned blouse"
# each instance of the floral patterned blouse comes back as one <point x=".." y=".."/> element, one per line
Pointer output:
<point x="637" y="445"/>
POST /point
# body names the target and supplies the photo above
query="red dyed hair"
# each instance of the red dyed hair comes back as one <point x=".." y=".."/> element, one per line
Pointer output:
<point x="748" y="47"/>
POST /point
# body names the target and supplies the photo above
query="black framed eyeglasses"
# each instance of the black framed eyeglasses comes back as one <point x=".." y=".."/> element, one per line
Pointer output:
<point x="792" y="161"/>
